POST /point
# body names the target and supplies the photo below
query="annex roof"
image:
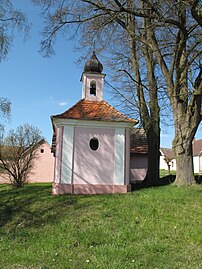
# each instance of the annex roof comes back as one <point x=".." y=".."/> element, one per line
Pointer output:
<point x="138" y="141"/>
<point x="94" y="110"/>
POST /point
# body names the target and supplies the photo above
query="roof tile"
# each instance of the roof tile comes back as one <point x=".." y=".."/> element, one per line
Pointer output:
<point x="138" y="141"/>
<point x="94" y="110"/>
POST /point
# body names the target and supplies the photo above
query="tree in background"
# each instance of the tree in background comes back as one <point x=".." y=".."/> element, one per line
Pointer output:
<point x="163" y="40"/>
<point x="17" y="153"/>
<point x="5" y="108"/>
<point x="11" y="21"/>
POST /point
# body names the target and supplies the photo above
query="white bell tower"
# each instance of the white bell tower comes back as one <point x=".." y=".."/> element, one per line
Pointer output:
<point x="92" y="80"/>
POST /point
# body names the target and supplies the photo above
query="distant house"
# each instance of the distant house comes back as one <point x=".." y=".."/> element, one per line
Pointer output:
<point x="167" y="159"/>
<point x="168" y="162"/>
<point x="197" y="156"/>
<point x="43" y="165"/>
<point x="138" y="155"/>
<point x="43" y="168"/>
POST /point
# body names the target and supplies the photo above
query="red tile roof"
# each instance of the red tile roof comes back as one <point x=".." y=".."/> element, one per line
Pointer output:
<point x="94" y="110"/>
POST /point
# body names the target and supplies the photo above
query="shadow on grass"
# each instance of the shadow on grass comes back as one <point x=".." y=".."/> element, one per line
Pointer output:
<point x="198" y="179"/>
<point x="162" y="182"/>
<point x="32" y="205"/>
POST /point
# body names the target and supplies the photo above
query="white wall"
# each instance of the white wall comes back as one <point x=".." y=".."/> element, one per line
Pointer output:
<point x="163" y="164"/>
<point x="67" y="154"/>
<point x="197" y="160"/>
<point x="119" y="156"/>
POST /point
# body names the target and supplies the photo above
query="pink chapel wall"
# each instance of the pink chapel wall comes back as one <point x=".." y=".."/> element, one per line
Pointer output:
<point x="94" y="167"/>
<point x="138" y="167"/>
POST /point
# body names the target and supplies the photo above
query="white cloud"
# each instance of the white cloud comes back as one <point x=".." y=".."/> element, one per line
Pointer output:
<point x="62" y="103"/>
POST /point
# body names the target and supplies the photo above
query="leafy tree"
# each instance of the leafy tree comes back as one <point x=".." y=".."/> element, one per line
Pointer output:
<point x="17" y="153"/>
<point x="164" y="37"/>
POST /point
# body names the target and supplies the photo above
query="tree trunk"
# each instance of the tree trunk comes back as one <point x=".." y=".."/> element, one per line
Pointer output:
<point x="152" y="178"/>
<point x="18" y="183"/>
<point x="184" y="159"/>
<point x="169" y="169"/>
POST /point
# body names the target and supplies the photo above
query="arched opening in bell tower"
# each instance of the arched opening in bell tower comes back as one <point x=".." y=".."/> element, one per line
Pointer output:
<point x="93" y="87"/>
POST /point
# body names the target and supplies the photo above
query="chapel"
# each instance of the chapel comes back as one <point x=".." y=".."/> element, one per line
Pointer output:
<point x="91" y="141"/>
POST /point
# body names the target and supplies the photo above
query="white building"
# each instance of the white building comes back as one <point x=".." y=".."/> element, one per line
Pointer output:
<point x="167" y="159"/>
<point x="197" y="156"/>
<point x="168" y="162"/>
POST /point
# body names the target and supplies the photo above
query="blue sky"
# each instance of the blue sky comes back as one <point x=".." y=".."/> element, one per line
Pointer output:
<point x="40" y="87"/>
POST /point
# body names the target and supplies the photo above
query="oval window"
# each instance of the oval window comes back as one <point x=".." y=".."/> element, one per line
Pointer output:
<point x="94" y="144"/>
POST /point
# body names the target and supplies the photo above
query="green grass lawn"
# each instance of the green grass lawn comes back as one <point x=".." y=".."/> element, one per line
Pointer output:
<point x="151" y="228"/>
<point x="164" y="173"/>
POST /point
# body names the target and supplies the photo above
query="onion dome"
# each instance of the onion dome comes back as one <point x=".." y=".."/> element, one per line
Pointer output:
<point x="93" y="65"/>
